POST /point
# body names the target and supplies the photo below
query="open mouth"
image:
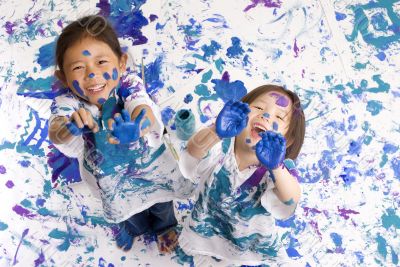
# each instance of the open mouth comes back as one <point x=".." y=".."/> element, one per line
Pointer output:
<point x="95" y="89"/>
<point x="257" y="129"/>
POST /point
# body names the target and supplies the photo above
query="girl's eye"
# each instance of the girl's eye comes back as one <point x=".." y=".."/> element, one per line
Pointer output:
<point x="279" y="117"/>
<point x="102" y="61"/>
<point x="77" y="68"/>
<point x="257" y="107"/>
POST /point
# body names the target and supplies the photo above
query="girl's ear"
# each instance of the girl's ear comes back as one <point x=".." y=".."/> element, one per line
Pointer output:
<point x="60" y="75"/>
<point x="122" y="62"/>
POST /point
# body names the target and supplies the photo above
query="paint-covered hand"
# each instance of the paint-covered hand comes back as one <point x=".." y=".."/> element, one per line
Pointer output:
<point x="123" y="129"/>
<point x="232" y="119"/>
<point x="81" y="121"/>
<point x="271" y="149"/>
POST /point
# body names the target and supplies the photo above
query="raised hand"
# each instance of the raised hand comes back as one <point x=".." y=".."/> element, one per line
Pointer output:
<point x="232" y="119"/>
<point x="81" y="120"/>
<point x="123" y="130"/>
<point x="271" y="149"/>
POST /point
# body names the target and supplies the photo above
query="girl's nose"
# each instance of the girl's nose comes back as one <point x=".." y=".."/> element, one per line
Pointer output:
<point x="265" y="115"/>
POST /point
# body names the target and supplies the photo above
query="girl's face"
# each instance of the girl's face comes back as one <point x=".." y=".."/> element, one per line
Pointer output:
<point x="270" y="111"/>
<point x="92" y="70"/>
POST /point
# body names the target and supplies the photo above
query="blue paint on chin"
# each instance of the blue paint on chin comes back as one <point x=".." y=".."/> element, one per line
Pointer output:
<point x="91" y="75"/>
<point x="86" y="53"/>
<point x="101" y="101"/>
<point x="106" y="76"/>
<point x="115" y="74"/>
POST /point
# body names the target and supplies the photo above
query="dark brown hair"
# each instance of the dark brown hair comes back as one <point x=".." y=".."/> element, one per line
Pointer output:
<point x="297" y="124"/>
<point x="94" y="26"/>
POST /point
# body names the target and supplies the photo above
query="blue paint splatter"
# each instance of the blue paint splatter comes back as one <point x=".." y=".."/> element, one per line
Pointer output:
<point x="106" y="76"/>
<point x="91" y="75"/>
<point x="235" y="50"/>
<point x="78" y="89"/>
<point x="381" y="56"/>
<point x="340" y="16"/>
<point x="188" y="98"/>
<point x="275" y="126"/>
<point x="167" y="114"/>
<point x="46" y="55"/>
<point x="145" y="124"/>
<point x="101" y="100"/>
<point x="86" y="53"/>
<point x="114" y="74"/>
<point x="152" y="73"/>
<point x="374" y="107"/>
<point x="229" y="90"/>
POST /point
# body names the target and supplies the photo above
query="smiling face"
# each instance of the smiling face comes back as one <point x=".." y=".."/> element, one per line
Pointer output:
<point x="270" y="111"/>
<point x="92" y="70"/>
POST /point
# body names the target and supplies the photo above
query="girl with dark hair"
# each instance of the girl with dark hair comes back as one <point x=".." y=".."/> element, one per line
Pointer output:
<point x="247" y="179"/>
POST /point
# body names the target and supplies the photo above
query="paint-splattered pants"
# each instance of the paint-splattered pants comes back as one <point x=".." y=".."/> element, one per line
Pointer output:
<point x="155" y="219"/>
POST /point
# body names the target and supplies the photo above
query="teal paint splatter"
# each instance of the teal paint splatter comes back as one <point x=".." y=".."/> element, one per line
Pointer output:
<point x="390" y="219"/>
<point x="206" y="76"/>
<point x="374" y="107"/>
<point x="3" y="226"/>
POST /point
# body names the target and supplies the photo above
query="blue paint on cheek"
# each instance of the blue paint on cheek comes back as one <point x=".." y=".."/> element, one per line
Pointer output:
<point x="275" y="126"/>
<point x="101" y="101"/>
<point x="91" y="75"/>
<point x="248" y="141"/>
<point x="78" y="89"/>
<point x="115" y="74"/>
<point x="145" y="124"/>
<point x="86" y="53"/>
<point x="106" y="76"/>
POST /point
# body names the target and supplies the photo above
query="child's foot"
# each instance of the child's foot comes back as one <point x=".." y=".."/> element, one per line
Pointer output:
<point x="167" y="241"/>
<point x="124" y="239"/>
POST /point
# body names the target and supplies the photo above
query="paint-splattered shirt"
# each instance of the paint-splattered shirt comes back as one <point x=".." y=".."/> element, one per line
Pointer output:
<point x="234" y="215"/>
<point x="129" y="178"/>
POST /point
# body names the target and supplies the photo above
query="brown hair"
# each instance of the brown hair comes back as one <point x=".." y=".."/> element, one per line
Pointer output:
<point x="297" y="124"/>
<point x="94" y="26"/>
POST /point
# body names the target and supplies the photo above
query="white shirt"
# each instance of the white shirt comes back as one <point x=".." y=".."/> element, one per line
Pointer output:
<point x="129" y="178"/>
<point x="232" y="219"/>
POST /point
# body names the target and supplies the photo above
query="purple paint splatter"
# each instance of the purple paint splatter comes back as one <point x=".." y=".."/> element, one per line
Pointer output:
<point x="281" y="100"/>
<point x="2" y="169"/>
<point x="10" y="184"/>
<point x="267" y="3"/>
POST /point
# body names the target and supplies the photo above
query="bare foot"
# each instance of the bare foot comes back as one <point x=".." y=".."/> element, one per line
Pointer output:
<point x="167" y="241"/>
<point x="124" y="239"/>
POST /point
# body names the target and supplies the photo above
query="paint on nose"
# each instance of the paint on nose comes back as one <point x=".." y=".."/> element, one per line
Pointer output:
<point x="266" y="115"/>
<point x="91" y="75"/>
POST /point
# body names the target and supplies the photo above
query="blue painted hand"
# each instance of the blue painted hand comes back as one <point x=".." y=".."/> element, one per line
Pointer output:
<point x="271" y="149"/>
<point x="232" y="119"/>
<point x="123" y="130"/>
<point x="81" y="121"/>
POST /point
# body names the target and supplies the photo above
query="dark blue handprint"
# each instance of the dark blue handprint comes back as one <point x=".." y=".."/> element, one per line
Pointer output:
<point x="125" y="130"/>
<point x="232" y="119"/>
<point x="271" y="149"/>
